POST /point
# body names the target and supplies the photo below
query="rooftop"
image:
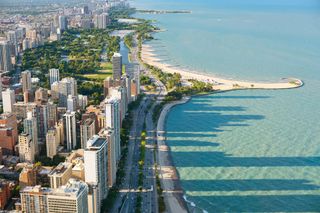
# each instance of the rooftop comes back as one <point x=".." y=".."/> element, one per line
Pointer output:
<point x="60" y="169"/>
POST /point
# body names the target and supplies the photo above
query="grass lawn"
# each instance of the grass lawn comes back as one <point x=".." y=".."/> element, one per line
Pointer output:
<point x="106" y="65"/>
<point x="98" y="75"/>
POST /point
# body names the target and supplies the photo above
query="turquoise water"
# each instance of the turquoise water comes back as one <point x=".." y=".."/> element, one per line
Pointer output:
<point x="246" y="151"/>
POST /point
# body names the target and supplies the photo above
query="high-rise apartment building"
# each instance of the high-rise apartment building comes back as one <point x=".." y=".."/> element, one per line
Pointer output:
<point x="72" y="103"/>
<point x="112" y="161"/>
<point x="8" y="99"/>
<point x="52" y="142"/>
<point x="67" y="86"/>
<point x="31" y="128"/>
<point x="63" y="23"/>
<point x="26" y="148"/>
<point x="70" y="130"/>
<point x="5" y="56"/>
<point x="42" y="120"/>
<point x="87" y="131"/>
<point x="96" y="166"/>
<point x="54" y="76"/>
<point x="112" y="113"/>
<point x="117" y="66"/>
<point x="26" y="81"/>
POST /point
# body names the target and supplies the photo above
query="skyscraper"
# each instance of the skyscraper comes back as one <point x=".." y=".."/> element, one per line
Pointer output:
<point x="112" y="113"/>
<point x="96" y="165"/>
<point x="117" y="66"/>
<point x="8" y="99"/>
<point x="26" y="81"/>
<point x="54" y="76"/>
<point x="70" y="130"/>
<point x="5" y="56"/>
<point x="31" y="128"/>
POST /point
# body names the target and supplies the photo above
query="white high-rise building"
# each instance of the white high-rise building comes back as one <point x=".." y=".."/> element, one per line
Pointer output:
<point x="54" y="76"/>
<point x="113" y="121"/>
<point x="70" y="130"/>
<point x="5" y="56"/>
<point x="8" y="99"/>
<point x="96" y="166"/>
<point x="30" y="127"/>
<point x="117" y="66"/>
<point x="121" y="94"/>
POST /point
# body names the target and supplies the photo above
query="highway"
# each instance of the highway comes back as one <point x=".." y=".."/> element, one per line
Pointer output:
<point x="126" y="202"/>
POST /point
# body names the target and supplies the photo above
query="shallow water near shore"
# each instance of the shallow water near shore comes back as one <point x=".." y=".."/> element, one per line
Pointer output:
<point x="246" y="151"/>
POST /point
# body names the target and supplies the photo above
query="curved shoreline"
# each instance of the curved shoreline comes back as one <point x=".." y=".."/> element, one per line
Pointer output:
<point x="174" y="194"/>
<point x="170" y="180"/>
<point x="221" y="84"/>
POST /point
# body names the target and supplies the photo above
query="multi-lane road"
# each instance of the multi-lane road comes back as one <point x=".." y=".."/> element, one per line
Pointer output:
<point x="126" y="202"/>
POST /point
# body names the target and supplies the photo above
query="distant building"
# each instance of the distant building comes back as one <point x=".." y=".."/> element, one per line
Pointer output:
<point x="117" y="66"/>
<point x="5" y="56"/>
<point x="96" y="168"/>
<point x="63" y="23"/>
<point x="60" y="175"/>
<point x="54" y="76"/>
<point x="101" y="21"/>
<point x="8" y="99"/>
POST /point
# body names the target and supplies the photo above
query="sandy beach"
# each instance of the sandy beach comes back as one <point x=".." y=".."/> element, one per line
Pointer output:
<point x="222" y="84"/>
